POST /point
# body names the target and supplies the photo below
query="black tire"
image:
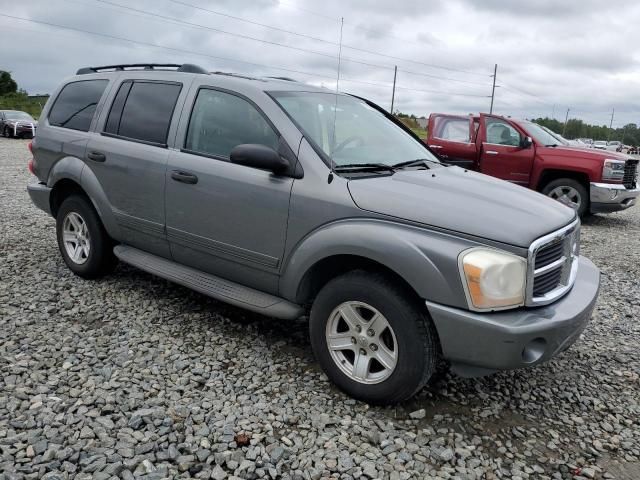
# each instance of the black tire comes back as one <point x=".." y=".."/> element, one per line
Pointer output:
<point x="6" y="132"/>
<point x="568" y="183"/>
<point x="416" y="337"/>
<point x="100" y="260"/>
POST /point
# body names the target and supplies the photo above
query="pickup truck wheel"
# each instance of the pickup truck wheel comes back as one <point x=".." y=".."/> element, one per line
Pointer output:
<point x="570" y="192"/>
<point x="372" y="338"/>
<point x="84" y="244"/>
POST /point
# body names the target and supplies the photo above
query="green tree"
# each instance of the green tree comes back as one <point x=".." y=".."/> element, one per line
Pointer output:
<point x="7" y="84"/>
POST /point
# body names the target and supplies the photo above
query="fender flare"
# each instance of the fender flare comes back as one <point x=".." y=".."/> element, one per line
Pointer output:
<point x="74" y="169"/>
<point x="425" y="259"/>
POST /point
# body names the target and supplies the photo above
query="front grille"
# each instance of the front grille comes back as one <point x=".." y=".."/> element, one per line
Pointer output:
<point x="630" y="173"/>
<point x="553" y="261"/>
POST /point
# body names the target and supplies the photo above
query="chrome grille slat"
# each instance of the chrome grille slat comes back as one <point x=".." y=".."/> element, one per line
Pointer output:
<point x="630" y="172"/>
<point x="552" y="265"/>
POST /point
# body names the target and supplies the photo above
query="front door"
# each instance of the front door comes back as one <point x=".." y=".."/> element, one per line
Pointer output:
<point x="226" y="219"/>
<point x="451" y="137"/>
<point x="502" y="155"/>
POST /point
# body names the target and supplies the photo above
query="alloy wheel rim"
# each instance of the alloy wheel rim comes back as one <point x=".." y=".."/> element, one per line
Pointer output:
<point x="361" y="342"/>
<point x="75" y="237"/>
<point x="567" y="195"/>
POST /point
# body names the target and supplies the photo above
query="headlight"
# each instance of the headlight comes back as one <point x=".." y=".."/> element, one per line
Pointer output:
<point x="493" y="280"/>
<point x="613" y="169"/>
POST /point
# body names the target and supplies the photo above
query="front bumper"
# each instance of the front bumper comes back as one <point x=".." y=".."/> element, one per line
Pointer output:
<point x="481" y="343"/>
<point x="40" y="193"/>
<point x="611" y="197"/>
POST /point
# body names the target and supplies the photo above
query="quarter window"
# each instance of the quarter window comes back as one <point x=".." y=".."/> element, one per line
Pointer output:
<point x="143" y="110"/>
<point x="501" y="133"/>
<point x="221" y="121"/>
<point x="76" y="104"/>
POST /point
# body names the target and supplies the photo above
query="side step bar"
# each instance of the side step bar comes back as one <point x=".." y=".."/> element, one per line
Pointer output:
<point x="210" y="285"/>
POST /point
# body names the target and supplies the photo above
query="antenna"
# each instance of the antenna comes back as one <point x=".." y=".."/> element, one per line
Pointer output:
<point x="335" y="108"/>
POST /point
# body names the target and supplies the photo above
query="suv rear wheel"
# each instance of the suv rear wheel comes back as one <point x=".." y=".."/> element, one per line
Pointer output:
<point x="372" y="338"/>
<point x="570" y="192"/>
<point x="84" y="244"/>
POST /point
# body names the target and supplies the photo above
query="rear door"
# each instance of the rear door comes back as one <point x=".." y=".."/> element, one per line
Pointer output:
<point x="451" y="137"/>
<point x="129" y="157"/>
<point x="501" y="155"/>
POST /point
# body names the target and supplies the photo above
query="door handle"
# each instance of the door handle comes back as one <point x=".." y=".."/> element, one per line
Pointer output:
<point x="184" y="177"/>
<point x="96" y="156"/>
<point x="435" y="146"/>
<point x="491" y="152"/>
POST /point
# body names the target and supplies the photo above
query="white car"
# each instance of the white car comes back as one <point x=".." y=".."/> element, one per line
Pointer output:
<point x="600" y="144"/>
<point x="614" y="146"/>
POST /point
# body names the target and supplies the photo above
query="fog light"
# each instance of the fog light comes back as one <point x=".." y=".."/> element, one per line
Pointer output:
<point x="613" y="194"/>
<point x="534" y="350"/>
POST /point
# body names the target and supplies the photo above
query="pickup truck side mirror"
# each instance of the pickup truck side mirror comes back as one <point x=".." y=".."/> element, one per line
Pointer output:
<point x="259" y="156"/>
<point x="526" y="142"/>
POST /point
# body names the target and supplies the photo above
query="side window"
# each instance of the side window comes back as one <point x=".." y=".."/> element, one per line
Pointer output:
<point x="76" y="104"/>
<point x="501" y="133"/>
<point x="451" y="129"/>
<point x="142" y="111"/>
<point x="221" y="121"/>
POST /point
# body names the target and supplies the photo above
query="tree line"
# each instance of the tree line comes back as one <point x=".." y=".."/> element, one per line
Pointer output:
<point x="629" y="134"/>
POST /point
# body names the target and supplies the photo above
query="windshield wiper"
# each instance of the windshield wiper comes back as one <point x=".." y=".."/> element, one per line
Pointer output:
<point x="552" y="145"/>
<point x="364" y="167"/>
<point x="415" y="163"/>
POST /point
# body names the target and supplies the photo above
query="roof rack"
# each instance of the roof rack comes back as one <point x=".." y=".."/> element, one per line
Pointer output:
<point x="186" y="68"/>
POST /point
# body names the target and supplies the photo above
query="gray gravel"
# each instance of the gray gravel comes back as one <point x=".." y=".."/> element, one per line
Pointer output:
<point x="134" y="377"/>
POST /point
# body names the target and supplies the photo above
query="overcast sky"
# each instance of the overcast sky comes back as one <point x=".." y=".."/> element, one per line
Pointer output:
<point x="551" y="54"/>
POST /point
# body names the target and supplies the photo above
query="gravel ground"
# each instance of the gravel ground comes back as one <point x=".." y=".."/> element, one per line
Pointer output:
<point x="134" y="377"/>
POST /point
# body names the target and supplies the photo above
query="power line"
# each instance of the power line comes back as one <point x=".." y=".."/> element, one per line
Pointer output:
<point x="247" y="37"/>
<point x="193" y="53"/>
<point x="317" y="39"/>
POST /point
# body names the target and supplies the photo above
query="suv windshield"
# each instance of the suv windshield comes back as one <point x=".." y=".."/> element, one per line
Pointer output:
<point x="350" y="132"/>
<point x="540" y="134"/>
<point x="15" y="115"/>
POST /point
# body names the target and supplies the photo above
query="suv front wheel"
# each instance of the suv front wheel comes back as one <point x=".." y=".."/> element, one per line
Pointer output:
<point x="570" y="192"/>
<point x="84" y="244"/>
<point x="372" y="338"/>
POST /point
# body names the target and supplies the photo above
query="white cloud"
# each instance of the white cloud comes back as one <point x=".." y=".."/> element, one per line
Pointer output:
<point x="552" y="55"/>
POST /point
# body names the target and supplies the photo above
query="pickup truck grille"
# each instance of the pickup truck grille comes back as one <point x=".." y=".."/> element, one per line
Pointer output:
<point x="553" y="262"/>
<point x="630" y="172"/>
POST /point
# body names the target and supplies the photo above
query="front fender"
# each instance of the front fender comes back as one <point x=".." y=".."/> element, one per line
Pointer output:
<point x="72" y="168"/>
<point x="426" y="259"/>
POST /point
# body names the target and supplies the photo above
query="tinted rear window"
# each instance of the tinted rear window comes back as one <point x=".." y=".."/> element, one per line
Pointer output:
<point x="76" y="104"/>
<point x="143" y="111"/>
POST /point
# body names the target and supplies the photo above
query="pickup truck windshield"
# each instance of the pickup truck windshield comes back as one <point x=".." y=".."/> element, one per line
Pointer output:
<point x="362" y="134"/>
<point x="540" y="135"/>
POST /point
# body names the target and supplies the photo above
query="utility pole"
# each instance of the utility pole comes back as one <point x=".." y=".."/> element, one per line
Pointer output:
<point x="613" y="112"/>
<point x="493" y="89"/>
<point x="553" y="111"/>
<point x="393" y="92"/>
<point x="566" y="119"/>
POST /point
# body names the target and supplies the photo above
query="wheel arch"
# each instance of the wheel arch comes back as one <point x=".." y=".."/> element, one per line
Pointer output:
<point x="550" y="174"/>
<point x="71" y="176"/>
<point x="423" y="261"/>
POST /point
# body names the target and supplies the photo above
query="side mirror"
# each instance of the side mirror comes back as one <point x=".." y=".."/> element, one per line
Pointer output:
<point x="526" y="142"/>
<point x="259" y="156"/>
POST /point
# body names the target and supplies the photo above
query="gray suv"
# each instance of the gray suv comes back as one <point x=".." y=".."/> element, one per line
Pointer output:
<point x="289" y="200"/>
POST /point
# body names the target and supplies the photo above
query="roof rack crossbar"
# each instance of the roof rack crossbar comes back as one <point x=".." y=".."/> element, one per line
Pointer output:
<point x="186" y="68"/>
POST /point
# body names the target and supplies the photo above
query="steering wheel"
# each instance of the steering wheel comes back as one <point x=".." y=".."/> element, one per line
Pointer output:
<point x="347" y="141"/>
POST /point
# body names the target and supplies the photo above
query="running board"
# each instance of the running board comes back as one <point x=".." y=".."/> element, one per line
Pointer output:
<point x="209" y="285"/>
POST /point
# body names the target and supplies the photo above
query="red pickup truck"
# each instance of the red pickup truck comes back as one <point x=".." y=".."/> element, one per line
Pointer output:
<point x="522" y="152"/>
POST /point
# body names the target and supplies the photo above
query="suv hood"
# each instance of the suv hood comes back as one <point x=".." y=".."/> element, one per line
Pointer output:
<point x="463" y="201"/>
<point x="588" y="153"/>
